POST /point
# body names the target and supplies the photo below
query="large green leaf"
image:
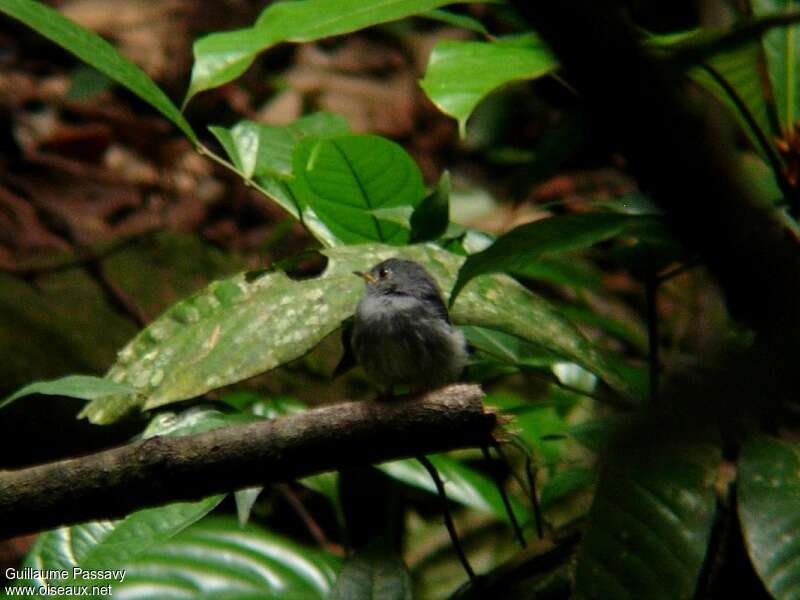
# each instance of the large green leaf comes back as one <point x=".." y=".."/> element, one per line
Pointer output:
<point x="222" y="57"/>
<point x="768" y="490"/>
<point x="732" y="75"/>
<point x="266" y="150"/>
<point x="111" y="544"/>
<point x="373" y="573"/>
<point x="650" y="523"/>
<point x="462" y="484"/>
<point x="243" y="326"/>
<point x="344" y="179"/>
<point x="263" y="156"/>
<point x="782" y="48"/>
<point x="216" y="558"/>
<point x="94" y="50"/>
<point x="514" y="250"/>
<point x="86" y="387"/>
<point x="461" y="74"/>
<point x="509" y="349"/>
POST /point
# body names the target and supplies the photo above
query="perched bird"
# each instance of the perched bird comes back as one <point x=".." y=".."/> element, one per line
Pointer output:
<point x="402" y="333"/>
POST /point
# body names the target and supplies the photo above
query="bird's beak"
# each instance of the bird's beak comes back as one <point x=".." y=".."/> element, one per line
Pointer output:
<point x="366" y="277"/>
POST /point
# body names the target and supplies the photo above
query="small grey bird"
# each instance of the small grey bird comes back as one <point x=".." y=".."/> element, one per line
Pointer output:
<point x="402" y="333"/>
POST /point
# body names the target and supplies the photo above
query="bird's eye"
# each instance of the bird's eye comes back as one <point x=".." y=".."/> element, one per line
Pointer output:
<point x="383" y="273"/>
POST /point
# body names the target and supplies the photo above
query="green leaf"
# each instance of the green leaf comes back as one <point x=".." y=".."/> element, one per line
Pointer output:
<point x="112" y="544"/>
<point x="563" y="270"/>
<point x="533" y="423"/>
<point x="739" y="70"/>
<point x="342" y="179"/>
<point x="216" y="558"/>
<point x="565" y="483"/>
<point x="461" y="74"/>
<point x="263" y="155"/>
<point x="266" y="150"/>
<point x="782" y="47"/>
<point x="650" y="522"/>
<point x="374" y="572"/>
<point x="242" y="326"/>
<point x="431" y="217"/>
<point x="222" y="57"/>
<point x="86" y="387"/>
<point x="94" y="50"/>
<point x="760" y="178"/>
<point x="197" y="419"/>
<point x="463" y="21"/>
<point x="245" y="500"/>
<point x="462" y="484"/>
<point x="509" y="349"/>
<point x="768" y="491"/>
<point x="517" y="248"/>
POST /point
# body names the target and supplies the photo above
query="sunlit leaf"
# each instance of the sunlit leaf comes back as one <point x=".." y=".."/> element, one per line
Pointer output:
<point x="456" y="19"/>
<point x="346" y="177"/>
<point x="240" y="327"/>
<point x="85" y="387"/>
<point x="222" y="57"/>
<point x="461" y="74"/>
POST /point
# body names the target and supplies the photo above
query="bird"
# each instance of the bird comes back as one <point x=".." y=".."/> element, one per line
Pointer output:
<point x="402" y="334"/>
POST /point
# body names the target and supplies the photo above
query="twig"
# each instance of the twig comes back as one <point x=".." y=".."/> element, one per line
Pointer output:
<point x="308" y="520"/>
<point x="537" y="508"/>
<point x="448" y="518"/>
<point x="506" y="502"/>
<point x="160" y="470"/>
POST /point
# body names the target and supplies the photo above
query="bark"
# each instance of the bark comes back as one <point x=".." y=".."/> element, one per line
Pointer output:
<point x="160" y="470"/>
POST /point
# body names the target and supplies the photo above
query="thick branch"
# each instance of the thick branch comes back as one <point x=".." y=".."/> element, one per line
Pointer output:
<point x="159" y="470"/>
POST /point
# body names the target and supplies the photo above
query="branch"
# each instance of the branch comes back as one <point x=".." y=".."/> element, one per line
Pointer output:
<point x="160" y="470"/>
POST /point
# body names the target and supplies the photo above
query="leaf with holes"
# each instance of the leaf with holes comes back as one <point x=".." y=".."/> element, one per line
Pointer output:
<point x="768" y="490"/>
<point x="245" y="325"/>
<point x="650" y="522"/>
